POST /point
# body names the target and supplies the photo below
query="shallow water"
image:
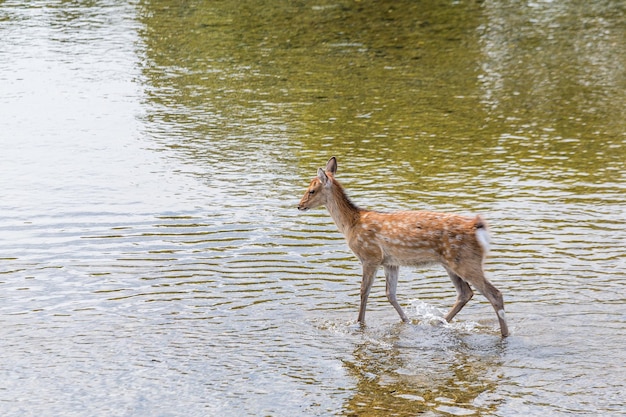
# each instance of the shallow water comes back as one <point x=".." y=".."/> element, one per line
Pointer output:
<point x="152" y="261"/>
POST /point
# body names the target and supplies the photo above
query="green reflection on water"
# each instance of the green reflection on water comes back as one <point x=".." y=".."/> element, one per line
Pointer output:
<point x="435" y="85"/>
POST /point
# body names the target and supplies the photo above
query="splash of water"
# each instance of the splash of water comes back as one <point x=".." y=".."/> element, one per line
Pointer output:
<point x="428" y="314"/>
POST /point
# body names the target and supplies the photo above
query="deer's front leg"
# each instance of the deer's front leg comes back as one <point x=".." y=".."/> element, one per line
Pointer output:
<point x="369" y="272"/>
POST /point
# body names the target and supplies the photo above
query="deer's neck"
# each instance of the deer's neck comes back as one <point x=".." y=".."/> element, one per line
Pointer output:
<point x="343" y="211"/>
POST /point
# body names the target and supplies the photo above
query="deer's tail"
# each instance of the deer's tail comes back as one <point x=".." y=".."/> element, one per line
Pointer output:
<point x="482" y="233"/>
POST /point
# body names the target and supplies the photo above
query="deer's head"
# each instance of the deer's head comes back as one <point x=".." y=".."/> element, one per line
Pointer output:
<point x="317" y="193"/>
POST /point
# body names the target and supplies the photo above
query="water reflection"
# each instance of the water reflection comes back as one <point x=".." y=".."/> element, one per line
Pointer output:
<point x="433" y="81"/>
<point x="551" y="76"/>
<point x="556" y="65"/>
<point x="415" y="370"/>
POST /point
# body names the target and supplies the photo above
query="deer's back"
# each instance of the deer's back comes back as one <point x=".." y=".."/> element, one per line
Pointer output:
<point x="416" y="237"/>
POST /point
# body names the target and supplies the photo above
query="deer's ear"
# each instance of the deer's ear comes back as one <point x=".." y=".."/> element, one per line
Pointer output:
<point x="322" y="176"/>
<point x="331" y="165"/>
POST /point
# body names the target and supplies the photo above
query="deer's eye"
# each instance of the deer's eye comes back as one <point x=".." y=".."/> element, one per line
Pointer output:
<point x="311" y="192"/>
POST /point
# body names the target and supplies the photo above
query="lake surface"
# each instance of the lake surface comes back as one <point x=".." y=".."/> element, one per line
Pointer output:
<point x="152" y="154"/>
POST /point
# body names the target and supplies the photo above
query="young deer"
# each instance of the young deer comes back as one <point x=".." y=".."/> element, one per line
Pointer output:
<point x="407" y="238"/>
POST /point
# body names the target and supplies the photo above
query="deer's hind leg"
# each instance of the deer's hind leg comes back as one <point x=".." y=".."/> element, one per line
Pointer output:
<point x="464" y="294"/>
<point x="476" y="277"/>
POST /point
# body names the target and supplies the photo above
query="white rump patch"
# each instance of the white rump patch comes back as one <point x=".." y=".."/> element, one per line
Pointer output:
<point x="482" y="235"/>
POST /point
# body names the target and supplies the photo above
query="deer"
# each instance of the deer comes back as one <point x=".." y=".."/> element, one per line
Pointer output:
<point x="408" y="238"/>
